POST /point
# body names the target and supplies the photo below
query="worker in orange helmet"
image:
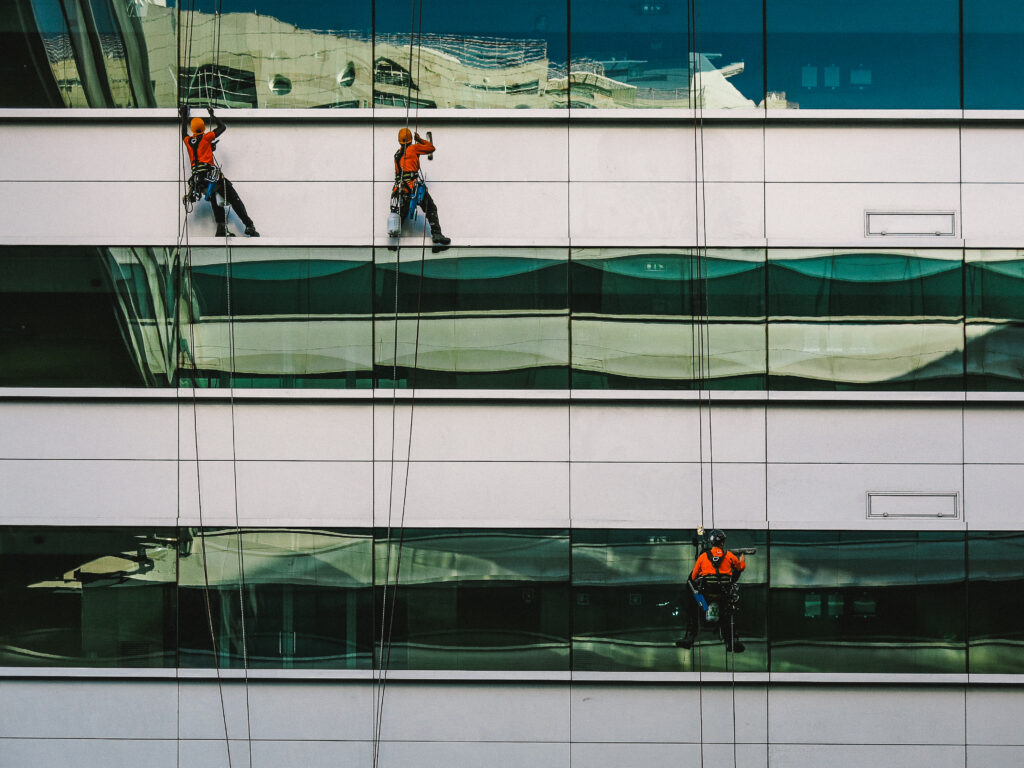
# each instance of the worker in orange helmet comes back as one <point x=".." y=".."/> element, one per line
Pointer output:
<point x="407" y="181"/>
<point x="713" y="580"/>
<point x="199" y="146"/>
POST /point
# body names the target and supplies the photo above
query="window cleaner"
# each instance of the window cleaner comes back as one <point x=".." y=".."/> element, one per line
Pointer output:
<point x="712" y="583"/>
<point x="410" y="190"/>
<point x="207" y="181"/>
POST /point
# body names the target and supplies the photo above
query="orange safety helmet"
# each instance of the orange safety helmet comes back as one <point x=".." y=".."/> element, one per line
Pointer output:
<point x="197" y="125"/>
<point x="405" y="136"/>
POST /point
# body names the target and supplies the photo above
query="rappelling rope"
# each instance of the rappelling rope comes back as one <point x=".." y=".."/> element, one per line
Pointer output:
<point x="183" y="240"/>
<point x="184" y="236"/>
<point x="388" y="618"/>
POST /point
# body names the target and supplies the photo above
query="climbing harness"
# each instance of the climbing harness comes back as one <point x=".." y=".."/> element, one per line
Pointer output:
<point x="407" y="193"/>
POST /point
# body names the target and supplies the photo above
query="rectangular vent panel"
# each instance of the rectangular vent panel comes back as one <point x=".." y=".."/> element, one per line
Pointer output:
<point x="917" y="505"/>
<point x="892" y="224"/>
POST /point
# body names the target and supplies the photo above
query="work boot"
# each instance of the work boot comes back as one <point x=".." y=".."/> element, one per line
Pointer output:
<point x="222" y="231"/>
<point x="250" y="231"/>
<point x="441" y="242"/>
<point x="735" y="647"/>
<point x="686" y="641"/>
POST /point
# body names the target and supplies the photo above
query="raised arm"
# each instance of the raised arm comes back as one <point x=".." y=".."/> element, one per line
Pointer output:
<point x="218" y="124"/>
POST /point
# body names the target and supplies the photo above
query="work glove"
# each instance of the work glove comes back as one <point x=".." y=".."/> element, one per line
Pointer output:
<point x="209" y="110"/>
<point x="418" y="139"/>
<point x="183" y="112"/>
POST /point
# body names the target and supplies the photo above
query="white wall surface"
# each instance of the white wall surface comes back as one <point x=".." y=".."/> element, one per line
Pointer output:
<point x="332" y="461"/>
<point x="107" y="722"/>
<point x="525" y="181"/>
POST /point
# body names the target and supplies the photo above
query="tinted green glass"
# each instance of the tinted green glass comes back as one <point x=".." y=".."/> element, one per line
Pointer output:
<point x="660" y="319"/>
<point x="303" y="598"/>
<point x="993" y="69"/>
<point x="996" y="561"/>
<point x="480" y="317"/>
<point x="864" y="601"/>
<point x="286" y="318"/>
<point x="865" y="319"/>
<point x="87" y="597"/>
<point x="473" y="599"/>
<point x="471" y="54"/>
<point x="62" y="317"/>
<point x="635" y="55"/>
<point x="630" y="601"/>
<point x="994" y="283"/>
<point x="875" y="54"/>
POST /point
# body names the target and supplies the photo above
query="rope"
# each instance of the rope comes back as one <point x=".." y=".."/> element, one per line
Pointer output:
<point x="183" y="237"/>
<point x="388" y="618"/>
<point x="700" y="344"/>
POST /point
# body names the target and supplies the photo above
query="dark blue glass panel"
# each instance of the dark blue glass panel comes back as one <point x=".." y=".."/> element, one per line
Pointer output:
<point x="993" y="66"/>
<point x="671" y="53"/>
<point x="874" y="54"/>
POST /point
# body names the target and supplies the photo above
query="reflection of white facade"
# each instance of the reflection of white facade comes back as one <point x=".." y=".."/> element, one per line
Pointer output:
<point x="266" y="63"/>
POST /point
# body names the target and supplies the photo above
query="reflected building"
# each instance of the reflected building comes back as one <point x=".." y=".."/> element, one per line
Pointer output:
<point x="330" y="498"/>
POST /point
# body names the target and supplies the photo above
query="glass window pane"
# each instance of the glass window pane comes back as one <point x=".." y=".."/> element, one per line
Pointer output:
<point x="874" y="54"/>
<point x="661" y="319"/>
<point x="639" y="55"/>
<point x="471" y="54"/>
<point x="995" y="319"/>
<point x="298" y="317"/>
<point x="996" y="583"/>
<point x="865" y="319"/>
<point x="64" y="318"/>
<point x="474" y="599"/>
<point x="87" y="597"/>
<point x="993" y="69"/>
<point x="867" y="601"/>
<point x="476" y="318"/>
<point x="306" y="600"/>
<point x="271" y="54"/>
<point x="630" y="602"/>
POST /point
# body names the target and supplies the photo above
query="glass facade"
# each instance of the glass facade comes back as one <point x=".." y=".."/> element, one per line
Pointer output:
<point x="830" y="54"/>
<point x="505" y="599"/>
<point x="747" y="54"/>
<point x="513" y="318"/>
<point x="865" y="320"/>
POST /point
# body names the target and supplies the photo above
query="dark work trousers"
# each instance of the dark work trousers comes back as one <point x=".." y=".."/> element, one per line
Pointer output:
<point x="429" y="210"/>
<point x="726" y="617"/>
<point x="228" y="191"/>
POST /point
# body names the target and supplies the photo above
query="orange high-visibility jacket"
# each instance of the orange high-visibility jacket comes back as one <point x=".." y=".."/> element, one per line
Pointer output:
<point x="200" y="148"/>
<point x="728" y="564"/>
<point x="408" y="161"/>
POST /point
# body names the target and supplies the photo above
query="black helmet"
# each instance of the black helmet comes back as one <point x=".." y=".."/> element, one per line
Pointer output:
<point x="717" y="537"/>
